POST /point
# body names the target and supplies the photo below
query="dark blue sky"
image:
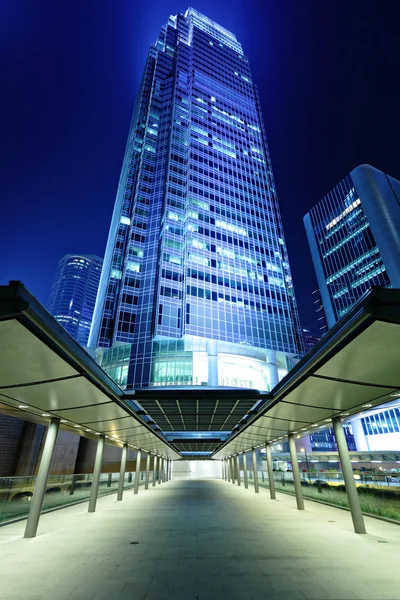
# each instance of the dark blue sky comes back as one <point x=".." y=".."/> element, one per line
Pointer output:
<point x="328" y="76"/>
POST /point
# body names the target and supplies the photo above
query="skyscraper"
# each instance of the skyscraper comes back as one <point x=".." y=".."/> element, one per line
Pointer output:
<point x="73" y="293"/>
<point x="353" y="233"/>
<point x="196" y="286"/>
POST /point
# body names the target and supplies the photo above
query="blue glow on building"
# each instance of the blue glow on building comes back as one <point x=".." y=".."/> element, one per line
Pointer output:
<point x="354" y="240"/>
<point x="196" y="287"/>
<point x="73" y="294"/>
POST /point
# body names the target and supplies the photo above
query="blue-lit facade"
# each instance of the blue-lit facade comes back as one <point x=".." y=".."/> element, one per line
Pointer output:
<point x="73" y="294"/>
<point x="353" y="234"/>
<point x="379" y="428"/>
<point x="196" y="286"/>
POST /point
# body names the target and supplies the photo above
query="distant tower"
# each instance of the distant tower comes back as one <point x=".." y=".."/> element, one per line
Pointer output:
<point x="73" y="293"/>
<point x="354" y="238"/>
<point x="196" y="287"/>
<point x="309" y="340"/>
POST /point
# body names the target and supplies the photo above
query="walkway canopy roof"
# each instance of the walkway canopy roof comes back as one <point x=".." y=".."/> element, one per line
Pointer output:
<point x="355" y="366"/>
<point x="44" y="373"/>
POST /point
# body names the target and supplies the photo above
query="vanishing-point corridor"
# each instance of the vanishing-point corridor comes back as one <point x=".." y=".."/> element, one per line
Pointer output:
<point x="200" y="540"/>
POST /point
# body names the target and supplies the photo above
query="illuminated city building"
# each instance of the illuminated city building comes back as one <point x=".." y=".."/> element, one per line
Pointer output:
<point x="73" y="293"/>
<point x="353" y="234"/>
<point x="309" y="340"/>
<point x="196" y="288"/>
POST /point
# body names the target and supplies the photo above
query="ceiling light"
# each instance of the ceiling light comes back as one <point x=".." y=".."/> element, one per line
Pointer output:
<point x="345" y="414"/>
<point x="63" y="421"/>
<point x="77" y="426"/>
<point x="88" y="430"/>
<point x="366" y="405"/>
<point x="304" y="429"/>
<point x="97" y="433"/>
<point x="327" y="420"/>
<point x="376" y="461"/>
<point x="397" y="394"/>
<point x="22" y="406"/>
<point x="46" y="415"/>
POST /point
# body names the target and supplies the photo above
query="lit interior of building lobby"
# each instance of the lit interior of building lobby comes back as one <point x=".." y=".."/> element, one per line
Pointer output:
<point x="255" y="514"/>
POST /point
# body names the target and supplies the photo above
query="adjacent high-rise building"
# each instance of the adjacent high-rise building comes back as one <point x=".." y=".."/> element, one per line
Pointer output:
<point x="353" y="233"/>
<point x="196" y="287"/>
<point x="354" y="238"/>
<point x="73" y="293"/>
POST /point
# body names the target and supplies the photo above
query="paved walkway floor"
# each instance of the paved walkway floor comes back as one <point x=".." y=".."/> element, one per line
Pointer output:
<point x="200" y="540"/>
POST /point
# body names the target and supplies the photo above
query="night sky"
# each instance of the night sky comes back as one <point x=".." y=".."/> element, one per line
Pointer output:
<point x="328" y="77"/>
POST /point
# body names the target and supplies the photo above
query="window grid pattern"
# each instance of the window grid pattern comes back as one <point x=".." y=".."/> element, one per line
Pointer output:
<point x="198" y="246"/>
<point x="73" y="294"/>
<point x="349" y="255"/>
<point x="383" y="422"/>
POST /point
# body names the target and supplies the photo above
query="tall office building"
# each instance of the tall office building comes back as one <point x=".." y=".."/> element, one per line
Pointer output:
<point x="73" y="293"/>
<point x="196" y="286"/>
<point x="353" y="233"/>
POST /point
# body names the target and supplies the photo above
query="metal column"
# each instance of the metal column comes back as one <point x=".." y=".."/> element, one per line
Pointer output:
<point x="146" y="481"/>
<point x="255" y="472"/>
<point x="154" y="470"/>
<point x="238" y="469"/>
<point x="351" y="489"/>
<point x="137" y="474"/>
<point x="245" y="475"/>
<point x="160" y="462"/>
<point x="122" y="472"/>
<point x="271" y="481"/>
<point x="295" y="472"/>
<point x="232" y="459"/>
<point x="96" y="473"/>
<point x="228" y="464"/>
<point x="41" y="479"/>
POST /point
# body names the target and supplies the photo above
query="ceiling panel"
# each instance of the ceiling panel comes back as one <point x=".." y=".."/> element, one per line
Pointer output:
<point x="369" y="357"/>
<point x="27" y="359"/>
<point x="59" y="395"/>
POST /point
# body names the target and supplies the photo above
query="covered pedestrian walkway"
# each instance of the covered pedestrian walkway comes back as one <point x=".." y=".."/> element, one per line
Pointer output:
<point x="200" y="540"/>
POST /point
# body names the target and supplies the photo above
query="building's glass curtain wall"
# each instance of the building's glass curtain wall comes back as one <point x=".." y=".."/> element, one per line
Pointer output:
<point x="73" y="294"/>
<point x="196" y="271"/>
<point x="345" y="248"/>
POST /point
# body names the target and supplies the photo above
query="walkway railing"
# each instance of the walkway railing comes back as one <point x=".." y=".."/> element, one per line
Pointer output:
<point x="379" y="494"/>
<point x="61" y="490"/>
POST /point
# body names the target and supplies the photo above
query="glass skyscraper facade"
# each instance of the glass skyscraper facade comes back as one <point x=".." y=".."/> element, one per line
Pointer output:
<point x="196" y="287"/>
<point x="73" y="294"/>
<point x="353" y="234"/>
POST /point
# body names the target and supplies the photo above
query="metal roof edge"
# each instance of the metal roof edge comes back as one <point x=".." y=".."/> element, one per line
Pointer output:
<point x="16" y="302"/>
